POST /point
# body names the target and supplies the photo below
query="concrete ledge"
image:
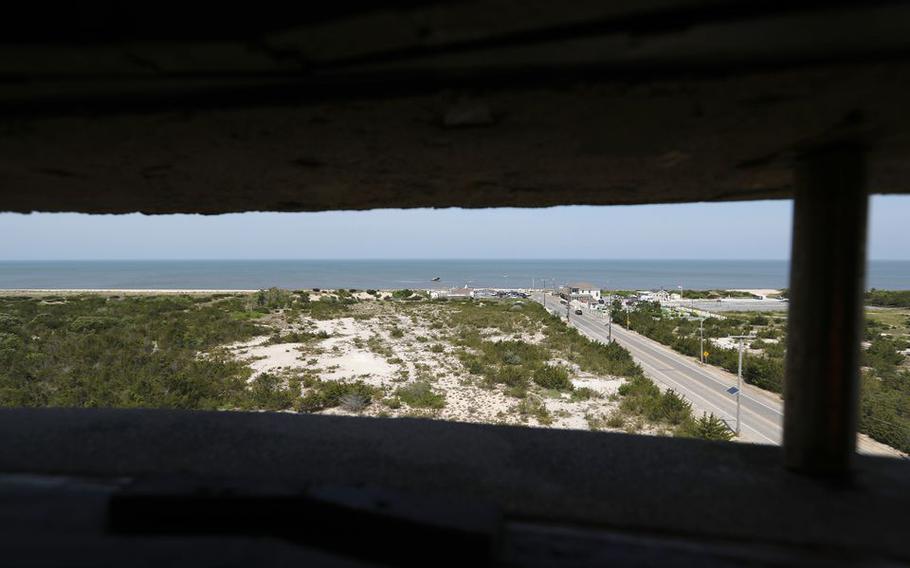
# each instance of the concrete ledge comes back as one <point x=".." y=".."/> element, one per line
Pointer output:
<point x="636" y="483"/>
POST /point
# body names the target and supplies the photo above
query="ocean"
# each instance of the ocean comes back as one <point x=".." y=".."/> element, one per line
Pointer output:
<point x="364" y="274"/>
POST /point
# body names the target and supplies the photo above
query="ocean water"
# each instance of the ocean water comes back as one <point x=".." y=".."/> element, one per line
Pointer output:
<point x="362" y="274"/>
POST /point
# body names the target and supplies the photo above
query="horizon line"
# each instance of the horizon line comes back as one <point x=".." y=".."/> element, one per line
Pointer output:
<point x="475" y="259"/>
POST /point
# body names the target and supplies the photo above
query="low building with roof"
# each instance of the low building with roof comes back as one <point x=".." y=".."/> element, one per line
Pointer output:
<point x="578" y="289"/>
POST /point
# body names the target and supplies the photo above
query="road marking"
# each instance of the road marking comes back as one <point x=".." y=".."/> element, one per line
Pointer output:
<point x="591" y="328"/>
<point x="667" y="352"/>
<point x="691" y="366"/>
<point x="654" y="356"/>
<point x="687" y="390"/>
<point x="664" y="352"/>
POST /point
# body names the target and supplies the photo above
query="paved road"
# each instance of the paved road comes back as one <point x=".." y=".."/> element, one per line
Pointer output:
<point x="702" y="385"/>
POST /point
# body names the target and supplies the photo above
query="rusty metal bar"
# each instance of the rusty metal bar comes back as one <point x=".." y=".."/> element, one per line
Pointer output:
<point x="827" y="279"/>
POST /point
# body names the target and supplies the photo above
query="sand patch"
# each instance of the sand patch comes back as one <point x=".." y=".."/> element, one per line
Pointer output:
<point x="390" y="345"/>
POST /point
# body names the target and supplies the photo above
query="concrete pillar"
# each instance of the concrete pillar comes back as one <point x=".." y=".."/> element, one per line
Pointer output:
<point x="827" y="280"/>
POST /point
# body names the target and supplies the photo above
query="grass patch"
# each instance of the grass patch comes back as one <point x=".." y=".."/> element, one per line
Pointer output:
<point x="533" y="407"/>
<point x="553" y="377"/>
<point x="707" y="427"/>
<point x="297" y="337"/>
<point x="378" y="346"/>
<point x="642" y="397"/>
<point x="584" y="393"/>
<point x="420" y="394"/>
<point x="271" y="392"/>
<point x="328" y="394"/>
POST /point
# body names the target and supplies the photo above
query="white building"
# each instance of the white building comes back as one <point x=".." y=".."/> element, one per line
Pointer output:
<point x="461" y="293"/>
<point x="579" y="289"/>
<point x="654" y="296"/>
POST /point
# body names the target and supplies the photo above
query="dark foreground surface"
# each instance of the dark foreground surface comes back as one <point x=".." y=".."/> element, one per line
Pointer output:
<point x="206" y="488"/>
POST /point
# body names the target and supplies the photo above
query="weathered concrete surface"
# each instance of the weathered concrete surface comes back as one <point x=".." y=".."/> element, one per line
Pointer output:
<point x="437" y="104"/>
<point x="685" y="487"/>
<point x="668" y="141"/>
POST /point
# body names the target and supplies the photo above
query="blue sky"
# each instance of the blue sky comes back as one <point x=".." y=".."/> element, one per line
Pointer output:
<point x="742" y="230"/>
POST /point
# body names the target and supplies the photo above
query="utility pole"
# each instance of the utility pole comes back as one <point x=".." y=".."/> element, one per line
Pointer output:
<point x="701" y="337"/>
<point x="610" y="324"/>
<point x="739" y="378"/>
<point x="739" y="385"/>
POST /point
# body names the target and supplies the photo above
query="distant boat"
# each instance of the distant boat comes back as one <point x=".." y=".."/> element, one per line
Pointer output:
<point x="435" y="279"/>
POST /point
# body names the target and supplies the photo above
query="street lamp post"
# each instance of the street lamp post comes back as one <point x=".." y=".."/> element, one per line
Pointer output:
<point x="739" y="378"/>
<point x="610" y="324"/>
<point x="739" y="385"/>
<point x="701" y="340"/>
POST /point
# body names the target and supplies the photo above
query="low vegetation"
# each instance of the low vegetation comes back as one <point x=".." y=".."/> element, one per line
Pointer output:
<point x="715" y="294"/>
<point x="96" y="351"/>
<point x="885" y="386"/>
<point x="420" y="395"/>
<point x="176" y="351"/>
<point x="321" y="395"/>
<point x="889" y="298"/>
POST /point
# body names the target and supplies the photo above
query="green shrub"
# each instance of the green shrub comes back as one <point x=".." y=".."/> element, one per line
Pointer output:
<point x="616" y="419"/>
<point x="512" y="376"/>
<point x="708" y="427"/>
<point x="354" y="402"/>
<point x="10" y="341"/>
<point x="891" y="298"/>
<point x="377" y="345"/>
<point x="517" y="391"/>
<point x="584" y="393"/>
<point x="553" y="377"/>
<point x="510" y="358"/>
<point x="642" y="397"/>
<point x="10" y="323"/>
<point x="273" y="298"/>
<point x="268" y="392"/>
<point x="533" y="407"/>
<point x="768" y="333"/>
<point x="673" y="408"/>
<point x="473" y="365"/>
<point x="297" y="337"/>
<point x="134" y="351"/>
<point x="420" y="395"/>
<point x="325" y="308"/>
<point x="84" y="324"/>
<point x="328" y="394"/>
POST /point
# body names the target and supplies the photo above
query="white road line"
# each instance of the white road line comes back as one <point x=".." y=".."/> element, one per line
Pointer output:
<point x="658" y="346"/>
<point x="687" y="391"/>
<point x="655" y="357"/>
<point x="768" y="421"/>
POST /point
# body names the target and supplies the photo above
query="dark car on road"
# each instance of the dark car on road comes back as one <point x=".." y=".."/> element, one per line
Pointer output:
<point x="577" y="312"/>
